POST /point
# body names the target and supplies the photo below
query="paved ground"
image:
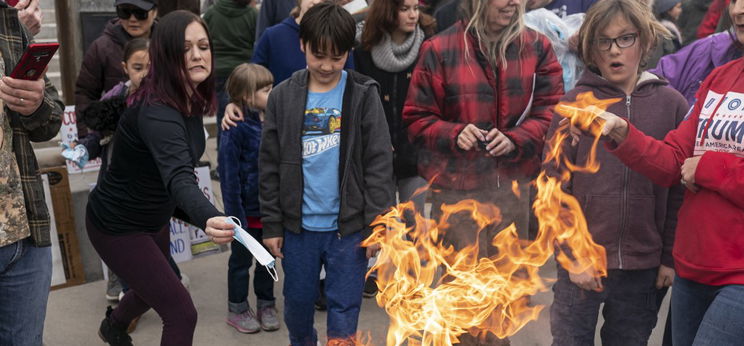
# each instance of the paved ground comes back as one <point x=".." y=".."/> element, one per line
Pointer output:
<point x="74" y="314"/>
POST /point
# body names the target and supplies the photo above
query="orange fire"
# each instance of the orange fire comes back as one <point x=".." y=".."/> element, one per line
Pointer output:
<point x="433" y="294"/>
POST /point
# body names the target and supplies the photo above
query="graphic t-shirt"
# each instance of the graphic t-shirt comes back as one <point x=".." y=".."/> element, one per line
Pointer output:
<point x="321" y="140"/>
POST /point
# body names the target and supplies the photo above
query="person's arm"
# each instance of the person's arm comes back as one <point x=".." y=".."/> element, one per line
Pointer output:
<point x="422" y="111"/>
<point x="268" y="172"/>
<point x="229" y="163"/>
<point x="377" y="158"/>
<point x="36" y="104"/>
<point x="164" y="133"/>
<point x="529" y="136"/>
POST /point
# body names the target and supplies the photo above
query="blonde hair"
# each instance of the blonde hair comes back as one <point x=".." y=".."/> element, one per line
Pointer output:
<point x="477" y="12"/>
<point x="603" y="12"/>
<point x="245" y="80"/>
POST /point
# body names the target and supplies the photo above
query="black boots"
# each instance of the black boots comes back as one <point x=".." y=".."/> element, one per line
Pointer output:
<point x="113" y="333"/>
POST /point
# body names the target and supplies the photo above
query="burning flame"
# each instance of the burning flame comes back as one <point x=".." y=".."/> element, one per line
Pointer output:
<point x="433" y="294"/>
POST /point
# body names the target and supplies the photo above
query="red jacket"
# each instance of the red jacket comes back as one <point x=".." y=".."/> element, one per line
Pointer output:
<point x="450" y="89"/>
<point x="710" y="22"/>
<point x="709" y="244"/>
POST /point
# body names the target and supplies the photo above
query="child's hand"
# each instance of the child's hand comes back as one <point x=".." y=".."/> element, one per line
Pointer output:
<point x="232" y="115"/>
<point x="372" y="250"/>
<point x="665" y="277"/>
<point x="219" y="231"/>
<point x="587" y="280"/>
<point x="275" y="246"/>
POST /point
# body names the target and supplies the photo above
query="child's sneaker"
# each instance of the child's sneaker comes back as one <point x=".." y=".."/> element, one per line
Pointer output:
<point x="370" y="287"/>
<point x="245" y="322"/>
<point x="113" y="333"/>
<point x="268" y="318"/>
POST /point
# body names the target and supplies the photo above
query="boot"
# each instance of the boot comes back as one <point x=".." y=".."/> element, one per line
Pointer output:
<point x="113" y="333"/>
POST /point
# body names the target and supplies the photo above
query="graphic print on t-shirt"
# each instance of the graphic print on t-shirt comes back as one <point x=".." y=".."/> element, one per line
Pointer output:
<point x="725" y="129"/>
<point x="320" y="130"/>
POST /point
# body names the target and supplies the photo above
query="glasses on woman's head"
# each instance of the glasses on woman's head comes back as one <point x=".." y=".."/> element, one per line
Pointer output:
<point x="623" y="41"/>
<point x="126" y="12"/>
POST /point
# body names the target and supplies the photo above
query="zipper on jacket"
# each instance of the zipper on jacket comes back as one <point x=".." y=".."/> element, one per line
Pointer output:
<point x="624" y="200"/>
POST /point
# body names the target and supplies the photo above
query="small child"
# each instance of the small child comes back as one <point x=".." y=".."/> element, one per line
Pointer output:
<point x="248" y="86"/>
<point x="628" y="214"/>
<point x="326" y="171"/>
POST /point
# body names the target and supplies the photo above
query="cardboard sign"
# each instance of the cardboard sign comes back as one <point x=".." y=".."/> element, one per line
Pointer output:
<point x="68" y="132"/>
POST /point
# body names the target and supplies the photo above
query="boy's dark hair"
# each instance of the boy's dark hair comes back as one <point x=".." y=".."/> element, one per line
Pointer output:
<point x="328" y="27"/>
<point x="135" y="45"/>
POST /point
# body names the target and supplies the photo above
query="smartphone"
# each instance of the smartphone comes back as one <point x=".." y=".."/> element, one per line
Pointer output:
<point x="34" y="61"/>
<point x="11" y="3"/>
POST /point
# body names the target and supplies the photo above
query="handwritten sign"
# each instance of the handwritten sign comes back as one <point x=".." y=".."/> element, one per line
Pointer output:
<point x="69" y="133"/>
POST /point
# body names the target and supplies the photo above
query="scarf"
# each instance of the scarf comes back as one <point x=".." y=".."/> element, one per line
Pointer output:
<point x="391" y="57"/>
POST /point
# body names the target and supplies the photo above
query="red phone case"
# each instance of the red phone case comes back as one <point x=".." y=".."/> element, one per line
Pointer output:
<point x="34" y="61"/>
<point x="11" y="3"/>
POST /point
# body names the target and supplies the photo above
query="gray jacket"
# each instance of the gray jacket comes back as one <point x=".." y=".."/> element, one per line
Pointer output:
<point x="366" y="159"/>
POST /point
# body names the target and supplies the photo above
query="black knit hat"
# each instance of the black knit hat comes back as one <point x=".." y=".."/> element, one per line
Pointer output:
<point x="661" y="6"/>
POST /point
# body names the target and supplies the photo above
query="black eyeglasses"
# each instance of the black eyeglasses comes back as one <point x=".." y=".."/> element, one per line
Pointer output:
<point x="125" y="13"/>
<point x="623" y="41"/>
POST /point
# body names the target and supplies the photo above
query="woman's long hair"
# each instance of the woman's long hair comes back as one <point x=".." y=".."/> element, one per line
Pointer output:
<point x="382" y="19"/>
<point x="476" y="12"/>
<point x="168" y="81"/>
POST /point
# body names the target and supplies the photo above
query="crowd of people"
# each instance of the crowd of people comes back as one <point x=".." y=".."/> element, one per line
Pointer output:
<point x="328" y="118"/>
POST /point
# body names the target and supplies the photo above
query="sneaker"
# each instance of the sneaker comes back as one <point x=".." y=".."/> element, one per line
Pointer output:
<point x="370" y="287"/>
<point x="113" y="287"/>
<point x="245" y="322"/>
<point x="113" y="333"/>
<point x="320" y="303"/>
<point x="268" y="318"/>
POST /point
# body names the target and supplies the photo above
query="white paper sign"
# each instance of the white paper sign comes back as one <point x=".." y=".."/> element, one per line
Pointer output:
<point x="68" y="132"/>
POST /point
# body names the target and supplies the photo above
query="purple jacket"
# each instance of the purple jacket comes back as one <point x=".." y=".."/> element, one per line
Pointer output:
<point x="687" y="68"/>
<point x="633" y="218"/>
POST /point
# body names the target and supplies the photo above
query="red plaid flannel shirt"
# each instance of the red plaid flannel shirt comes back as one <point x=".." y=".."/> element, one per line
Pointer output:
<point x="447" y="93"/>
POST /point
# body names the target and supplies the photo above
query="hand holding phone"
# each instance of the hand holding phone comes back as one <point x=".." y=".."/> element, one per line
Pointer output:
<point x="34" y="61"/>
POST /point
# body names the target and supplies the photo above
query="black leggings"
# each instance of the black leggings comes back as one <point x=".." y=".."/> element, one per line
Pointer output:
<point x="141" y="259"/>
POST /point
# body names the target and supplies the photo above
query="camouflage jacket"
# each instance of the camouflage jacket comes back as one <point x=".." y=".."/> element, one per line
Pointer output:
<point x="40" y="126"/>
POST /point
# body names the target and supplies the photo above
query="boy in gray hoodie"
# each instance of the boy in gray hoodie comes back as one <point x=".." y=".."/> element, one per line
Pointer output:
<point x="325" y="172"/>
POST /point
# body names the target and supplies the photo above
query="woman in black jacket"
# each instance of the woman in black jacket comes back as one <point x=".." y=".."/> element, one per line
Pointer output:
<point x="391" y="38"/>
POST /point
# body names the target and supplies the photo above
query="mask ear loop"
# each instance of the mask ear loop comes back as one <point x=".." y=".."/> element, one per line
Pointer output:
<point x="270" y="267"/>
<point x="235" y="220"/>
<point x="272" y="271"/>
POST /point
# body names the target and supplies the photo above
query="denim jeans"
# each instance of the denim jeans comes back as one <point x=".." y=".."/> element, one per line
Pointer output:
<point x="707" y="315"/>
<point x="25" y="277"/>
<point x="345" y="264"/>
<point x="630" y="310"/>
<point x="238" y="276"/>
